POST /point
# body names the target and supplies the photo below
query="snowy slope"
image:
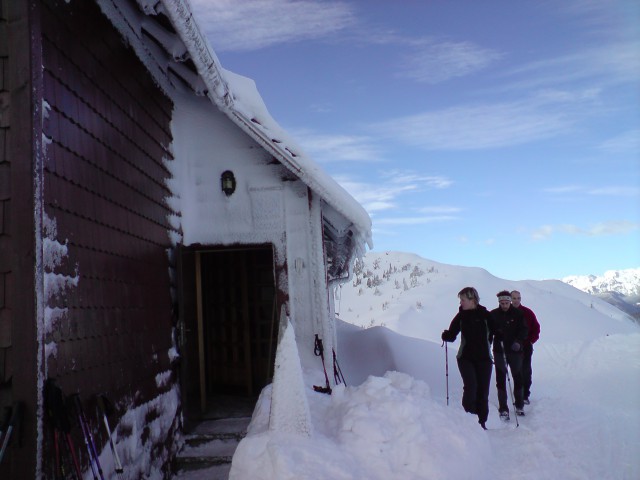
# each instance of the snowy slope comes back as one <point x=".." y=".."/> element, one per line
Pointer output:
<point x="392" y="420"/>
<point x="419" y="299"/>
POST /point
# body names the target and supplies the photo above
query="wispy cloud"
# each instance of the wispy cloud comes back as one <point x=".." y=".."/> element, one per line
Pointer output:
<point x="620" y="227"/>
<point x="325" y="148"/>
<point x="615" y="191"/>
<point x="434" y="62"/>
<point x="416" y="220"/>
<point x="384" y="196"/>
<point x="564" y="189"/>
<point x="626" y="142"/>
<point x="610" y="63"/>
<point x="478" y="126"/>
<point x="400" y="177"/>
<point x="373" y="197"/>
<point x="234" y="25"/>
<point x="606" y="190"/>
<point x="440" y="209"/>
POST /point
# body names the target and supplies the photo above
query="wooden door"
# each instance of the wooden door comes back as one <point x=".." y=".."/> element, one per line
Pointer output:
<point x="237" y="321"/>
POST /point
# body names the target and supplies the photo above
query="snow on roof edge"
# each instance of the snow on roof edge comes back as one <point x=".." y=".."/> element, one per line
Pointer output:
<point x="210" y="69"/>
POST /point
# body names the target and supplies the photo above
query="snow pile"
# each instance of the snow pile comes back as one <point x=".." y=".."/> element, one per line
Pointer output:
<point x="388" y="427"/>
<point x="139" y="430"/>
<point x="290" y="411"/>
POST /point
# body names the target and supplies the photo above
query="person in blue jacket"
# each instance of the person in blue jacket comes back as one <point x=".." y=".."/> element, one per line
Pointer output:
<point x="473" y="322"/>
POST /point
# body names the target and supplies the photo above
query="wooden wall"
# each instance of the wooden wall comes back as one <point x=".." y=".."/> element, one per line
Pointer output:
<point x="105" y="135"/>
<point x="18" y="327"/>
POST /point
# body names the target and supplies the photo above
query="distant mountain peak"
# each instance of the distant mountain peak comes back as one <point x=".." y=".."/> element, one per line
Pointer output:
<point x="620" y="288"/>
<point x="625" y="282"/>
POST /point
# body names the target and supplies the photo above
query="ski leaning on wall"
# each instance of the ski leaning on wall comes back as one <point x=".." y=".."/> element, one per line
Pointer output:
<point x="10" y="426"/>
<point x="59" y="409"/>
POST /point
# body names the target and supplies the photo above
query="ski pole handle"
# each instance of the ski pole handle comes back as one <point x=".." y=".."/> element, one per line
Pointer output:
<point x="105" y="407"/>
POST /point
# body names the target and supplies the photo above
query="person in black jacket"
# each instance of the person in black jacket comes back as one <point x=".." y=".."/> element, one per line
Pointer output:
<point x="474" y="355"/>
<point x="510" y="334"/>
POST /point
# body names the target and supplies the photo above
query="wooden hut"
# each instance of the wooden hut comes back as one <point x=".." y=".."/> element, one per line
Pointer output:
<point x="156" y="227"/>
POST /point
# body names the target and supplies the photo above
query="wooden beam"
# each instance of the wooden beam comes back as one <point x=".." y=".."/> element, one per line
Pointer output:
<point x="201" y="356"/>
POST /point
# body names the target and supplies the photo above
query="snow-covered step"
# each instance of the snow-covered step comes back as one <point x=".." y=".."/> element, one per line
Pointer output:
<point x="209" y="449"/>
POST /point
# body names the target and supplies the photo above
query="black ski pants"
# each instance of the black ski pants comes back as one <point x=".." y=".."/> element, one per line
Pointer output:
<point x="527" y="354"/>
<point x="476" y="380"/>
<point x="515" y="365"/>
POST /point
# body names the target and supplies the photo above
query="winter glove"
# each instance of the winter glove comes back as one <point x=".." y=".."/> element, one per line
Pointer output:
<point x="447" y="336"/>
<point x="515" y="346"/>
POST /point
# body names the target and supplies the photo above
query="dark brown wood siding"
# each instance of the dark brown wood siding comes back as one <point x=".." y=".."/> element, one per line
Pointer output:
<point x="106" y="135"/>
<point x="19" y="367"/>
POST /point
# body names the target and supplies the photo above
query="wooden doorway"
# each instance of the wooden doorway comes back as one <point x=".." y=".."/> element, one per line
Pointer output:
<point x="233" y="327"/>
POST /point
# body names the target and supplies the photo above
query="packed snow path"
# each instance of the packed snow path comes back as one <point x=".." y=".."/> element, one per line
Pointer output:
<point x="583" y="418"/>
<point x="582" y="422"/>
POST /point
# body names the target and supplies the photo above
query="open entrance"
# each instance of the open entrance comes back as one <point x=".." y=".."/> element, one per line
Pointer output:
<point x="230" y="328"/>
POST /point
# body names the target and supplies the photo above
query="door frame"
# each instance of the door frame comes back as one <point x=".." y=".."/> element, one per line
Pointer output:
<point x="194" y="375"/>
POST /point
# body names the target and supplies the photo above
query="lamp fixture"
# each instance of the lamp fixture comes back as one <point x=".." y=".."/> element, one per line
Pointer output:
<point x="228" y="182"/>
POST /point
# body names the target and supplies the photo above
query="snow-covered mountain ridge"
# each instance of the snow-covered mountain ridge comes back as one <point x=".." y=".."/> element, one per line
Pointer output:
<point x="620" y="288"/>
<point x="409" y="294"/>
<point x="626" y="282"/>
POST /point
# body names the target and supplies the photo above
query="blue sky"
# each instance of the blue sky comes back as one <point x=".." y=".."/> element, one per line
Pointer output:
<point x="497" y="134"/>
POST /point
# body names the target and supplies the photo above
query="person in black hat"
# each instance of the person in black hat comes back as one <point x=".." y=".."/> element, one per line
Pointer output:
<point x="510" y="334"/>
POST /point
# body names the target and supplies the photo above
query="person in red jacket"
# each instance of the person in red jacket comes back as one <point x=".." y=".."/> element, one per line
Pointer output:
<point x="532" y="337"/>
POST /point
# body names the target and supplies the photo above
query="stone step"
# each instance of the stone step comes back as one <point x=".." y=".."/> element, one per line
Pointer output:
<point x="209" y="448"/>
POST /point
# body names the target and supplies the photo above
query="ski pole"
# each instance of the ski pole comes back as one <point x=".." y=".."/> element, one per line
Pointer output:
<point x="506" y="369"/>
<point x="59" y="468"/>
<point x="105" y="406"/>
<point x="58" y="415"/>
<point x="72" y="452"/>
<point x="337" y="371"/>
<point x="446" y="367"/>
<point x="16" y="412"/>
<point x="88" y="439"/>
<point x="5" y="423"/>
<point x="318" y="350"/>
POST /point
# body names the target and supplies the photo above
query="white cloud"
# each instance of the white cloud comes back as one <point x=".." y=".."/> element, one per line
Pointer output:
<point x="606" y="190"/>
<point x="373" y="197"/>
<point x="406" y="177"/>
<point x="383" y="196"/>
<point x="564" y="189"/>
<point x="625" y="142"/>
<point x="616" y="191"/>
<point x="436" y="62"/>
<point x="477" y="127"/>
<point x="614" y="227"/>
<point x="542" y="233"/>
<point x="442" y="209"/>
<point x="325" y="148"/>
<point x="418" y="220"/>
<point x="237" y="25"/>
<point x="607" y="64"/>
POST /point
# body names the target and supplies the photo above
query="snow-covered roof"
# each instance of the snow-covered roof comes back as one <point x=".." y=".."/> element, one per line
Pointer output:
<point x="238" y="98"/>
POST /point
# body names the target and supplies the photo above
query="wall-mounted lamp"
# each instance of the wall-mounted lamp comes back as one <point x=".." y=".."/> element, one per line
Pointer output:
<point x="228" y="182"/>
